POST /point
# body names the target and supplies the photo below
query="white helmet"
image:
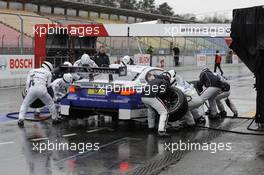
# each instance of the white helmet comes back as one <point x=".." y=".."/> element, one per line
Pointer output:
<point x="172" y="75"/>
<point x="47" y="65"/>
<point x="68" y="78"/>
<point x="67" y="63"/>
<point x="126" y="59"/>
<point x="85" y="59"/>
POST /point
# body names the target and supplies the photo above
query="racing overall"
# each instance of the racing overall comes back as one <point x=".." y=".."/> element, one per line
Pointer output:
<point x="37" y="82"/>
<point x="60" y="89"/>
<point x="224" y="94"/>
<point x="151" y="97"/>
<point x="213" y="86"/>
<point x="90" y="64"/>
<point x="194" y="103"/>
<point x="78" y="76"/>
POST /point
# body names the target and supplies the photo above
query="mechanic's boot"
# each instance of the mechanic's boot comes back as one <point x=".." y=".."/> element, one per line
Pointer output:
<point x="201" y="120"/>
<point x="56" y="121"/>
<point x="235" y="114"/>
<point x="20" y="123"/>
<point x="163" y="134"/>
<point x="223" y="113"/>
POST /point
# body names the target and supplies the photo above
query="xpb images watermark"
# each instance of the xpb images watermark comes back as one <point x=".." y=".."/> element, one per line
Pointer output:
<point x="65" y="146"/>
<point x="213" y="147"/>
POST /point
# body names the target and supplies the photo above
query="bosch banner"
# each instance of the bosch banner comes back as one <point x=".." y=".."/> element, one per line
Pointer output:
<point x="15" y="66"/>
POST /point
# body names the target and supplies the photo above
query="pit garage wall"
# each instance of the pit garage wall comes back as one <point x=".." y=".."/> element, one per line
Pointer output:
<point x="14" y="69"/>
<point x="167" y="61"/>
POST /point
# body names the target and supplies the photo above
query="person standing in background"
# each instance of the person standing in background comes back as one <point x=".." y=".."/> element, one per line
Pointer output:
<point x="101" y="58"/>
<point x="176" y="55"/>
<point x="150" y="52"/>
<point x="218" y="59"/>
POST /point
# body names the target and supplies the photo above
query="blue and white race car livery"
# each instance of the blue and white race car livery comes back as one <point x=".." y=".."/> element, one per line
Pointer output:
<point x="120" y="97"/>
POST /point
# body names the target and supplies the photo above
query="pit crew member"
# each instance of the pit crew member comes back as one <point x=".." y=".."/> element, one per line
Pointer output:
<point x="213" y="85"/>
<point x="85" y="61"/>
<point x="58" y="71"/>
<point x="60" y="88"/>
<point x="224" y="94"/>
<point x="38" y="80"/>
<point x="128" y="60"/>
<point x="152" y="94"/>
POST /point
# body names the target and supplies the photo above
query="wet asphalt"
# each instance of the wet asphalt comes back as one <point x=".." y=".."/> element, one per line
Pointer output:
<point x="96" y="148"/>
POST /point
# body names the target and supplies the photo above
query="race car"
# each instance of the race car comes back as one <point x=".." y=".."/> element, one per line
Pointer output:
<point x="119" y="97"/>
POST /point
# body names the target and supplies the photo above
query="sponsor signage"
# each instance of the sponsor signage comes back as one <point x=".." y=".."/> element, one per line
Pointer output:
<point x="142" y="59"/>
<point x="15" y="66"/>
<point x="201" y="60"/>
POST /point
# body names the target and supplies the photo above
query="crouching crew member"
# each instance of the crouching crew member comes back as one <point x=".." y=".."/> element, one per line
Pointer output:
<point x="59" y="71"/>
<point x="213" y="85"/>
<point x="224" y="94"/>
<point x="152" y="94"/>
<point x="38" y="80"/>
<point x="60" y="88"/>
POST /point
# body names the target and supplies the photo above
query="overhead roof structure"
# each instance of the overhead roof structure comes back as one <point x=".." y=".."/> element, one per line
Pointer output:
<point x="67" y="4"/>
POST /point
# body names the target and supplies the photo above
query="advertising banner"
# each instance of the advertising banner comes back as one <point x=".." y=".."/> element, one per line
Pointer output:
<point x="15" y="66"/>
<point x="201" y="60"/>
<point x="142" y="59"/>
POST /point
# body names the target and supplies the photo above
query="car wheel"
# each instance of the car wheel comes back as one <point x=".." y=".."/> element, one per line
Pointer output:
<point x="177" y="104"/>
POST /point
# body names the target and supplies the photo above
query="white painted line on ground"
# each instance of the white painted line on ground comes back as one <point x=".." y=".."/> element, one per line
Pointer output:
<point x="96" y="130"/>
<point x="6" y="143"/>
<point x="69" y="135"/>
<point x="39" y="139"/>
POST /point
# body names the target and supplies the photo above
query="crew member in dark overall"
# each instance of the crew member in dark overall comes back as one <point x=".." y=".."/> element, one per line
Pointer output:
<point x="154" y="91"/>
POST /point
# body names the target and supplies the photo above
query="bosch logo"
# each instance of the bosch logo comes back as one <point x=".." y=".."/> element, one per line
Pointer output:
<point x="20" y="63"/>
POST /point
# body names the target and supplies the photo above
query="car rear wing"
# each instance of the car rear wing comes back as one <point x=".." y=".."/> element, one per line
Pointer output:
<point x="121" y="71"/>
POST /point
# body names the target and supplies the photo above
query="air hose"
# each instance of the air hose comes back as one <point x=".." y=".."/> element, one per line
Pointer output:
<point x="43" y="116"/>
<point x="236" y="132"/>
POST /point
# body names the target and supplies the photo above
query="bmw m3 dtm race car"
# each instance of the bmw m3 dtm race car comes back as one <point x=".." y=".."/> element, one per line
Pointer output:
<point x="118" y="96"/>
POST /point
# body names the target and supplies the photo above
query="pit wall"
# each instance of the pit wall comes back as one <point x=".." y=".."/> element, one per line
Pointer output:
<point x="188" y="68"/>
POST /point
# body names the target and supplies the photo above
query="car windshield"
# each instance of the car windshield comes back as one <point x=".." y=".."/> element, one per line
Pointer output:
<point x="131" y="76"/>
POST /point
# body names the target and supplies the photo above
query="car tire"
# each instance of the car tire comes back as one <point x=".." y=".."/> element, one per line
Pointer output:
<point x="178" y="105"/>
<point x="38" y="103"/>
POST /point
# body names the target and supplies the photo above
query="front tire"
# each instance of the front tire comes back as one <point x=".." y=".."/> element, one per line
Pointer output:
<point x="177" y="104"/>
